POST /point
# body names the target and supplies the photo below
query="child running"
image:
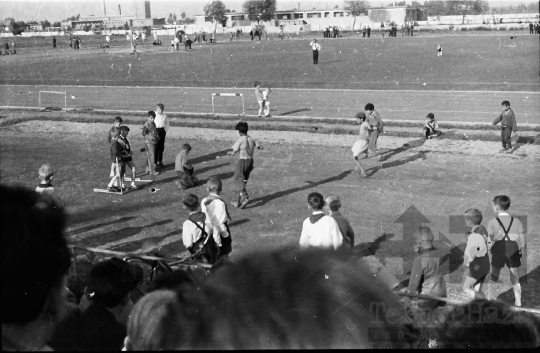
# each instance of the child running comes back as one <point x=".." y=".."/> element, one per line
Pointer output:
<point x="476" y="260"/>
<point x="319" y="230"/>
<point x="506" y="233"/>
<point x="217" y="217"/>
<point x="376" y="127"/>
<point x="246" y="145"/>
<point x="360" y="147"/>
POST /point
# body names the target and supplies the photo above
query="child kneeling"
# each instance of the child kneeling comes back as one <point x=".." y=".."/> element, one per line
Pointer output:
<point x="184" y="170"/>
<point x="431" y="127"/>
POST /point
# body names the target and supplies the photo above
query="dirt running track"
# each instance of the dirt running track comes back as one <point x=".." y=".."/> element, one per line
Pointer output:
<point x="462" y="106"/>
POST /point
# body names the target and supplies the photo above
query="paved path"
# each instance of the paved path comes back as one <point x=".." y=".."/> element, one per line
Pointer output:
<point x="462" y="106"/>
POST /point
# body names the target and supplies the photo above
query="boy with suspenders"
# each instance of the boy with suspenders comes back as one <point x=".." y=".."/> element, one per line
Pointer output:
<point x="506" y="233"/>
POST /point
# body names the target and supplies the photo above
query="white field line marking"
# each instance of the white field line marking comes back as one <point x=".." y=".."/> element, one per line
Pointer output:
<point x="295" y="89"/>
<point x="274" y="116"/>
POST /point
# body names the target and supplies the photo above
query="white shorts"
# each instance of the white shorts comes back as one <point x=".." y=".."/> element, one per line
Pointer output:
<point x="360" y="147"/>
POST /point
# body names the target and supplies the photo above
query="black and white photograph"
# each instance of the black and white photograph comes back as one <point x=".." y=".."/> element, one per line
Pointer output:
<point x="269" y="174"/>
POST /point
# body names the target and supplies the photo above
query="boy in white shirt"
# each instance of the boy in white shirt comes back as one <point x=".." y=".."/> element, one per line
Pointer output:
<point x="506" y="233"/>
<point x="162" y="126"/>
<point x="319" y="230"/>
<point x="196" y="234"/>
<point x="217" y="217"/>
<point x="476" y="259"/>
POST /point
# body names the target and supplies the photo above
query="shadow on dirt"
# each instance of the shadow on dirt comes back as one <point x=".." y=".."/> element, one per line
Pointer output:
<point x="78" y="231"/>
<point x="265" y="199"/>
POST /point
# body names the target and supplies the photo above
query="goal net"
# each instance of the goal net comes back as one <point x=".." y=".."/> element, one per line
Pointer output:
<point x="52" y="100"/>
<point x="228" y="103"/>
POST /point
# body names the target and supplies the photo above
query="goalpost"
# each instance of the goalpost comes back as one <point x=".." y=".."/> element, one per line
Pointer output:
<point x="44" y="103"/>
<point x="214" y="95"/>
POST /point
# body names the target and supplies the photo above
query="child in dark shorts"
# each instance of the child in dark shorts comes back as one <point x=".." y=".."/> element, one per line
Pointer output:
<point x="506" y="232"/>
<point x="184" y="170"/>
<point x="476" y="259"/>
<point x="245" y="145"/>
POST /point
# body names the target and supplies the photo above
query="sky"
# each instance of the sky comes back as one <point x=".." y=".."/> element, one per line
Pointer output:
<point x="54" y="10"/>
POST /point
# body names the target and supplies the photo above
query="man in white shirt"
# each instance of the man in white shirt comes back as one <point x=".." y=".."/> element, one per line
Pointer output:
<point x="162" y="126"/>
<point x="320" y="230"/>
<point x="316" y="48"/>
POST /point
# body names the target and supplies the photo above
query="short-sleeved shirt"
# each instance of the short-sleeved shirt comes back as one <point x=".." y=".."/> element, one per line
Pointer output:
<point x="246" y="145"/>
<point x="497" y="233"/>
<point x="477" y="246"/>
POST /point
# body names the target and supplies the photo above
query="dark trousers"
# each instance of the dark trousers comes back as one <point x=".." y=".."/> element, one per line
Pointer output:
<point x="368" y="34"/>
<point x="315" y="56"/>
<point x="506" y="132"/>
<point x="160" y="146"/>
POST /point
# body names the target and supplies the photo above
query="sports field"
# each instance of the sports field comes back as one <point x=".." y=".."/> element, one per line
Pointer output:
<point x="441" y="179"/>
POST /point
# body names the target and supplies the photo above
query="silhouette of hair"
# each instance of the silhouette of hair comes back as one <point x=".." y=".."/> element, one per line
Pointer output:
<point x="287" y="299"/>
<point x="316" y="201"/>
<point x="35" y="256"/>
<point x="502" y="201"/>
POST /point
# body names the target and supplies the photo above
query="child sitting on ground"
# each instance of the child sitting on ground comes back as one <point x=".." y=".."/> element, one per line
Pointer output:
<point x="506" y="233"/>
<point x="46" y="174"/>
<point x="319" y="230"/>
<point x="431" y="127"/>
<point x="184" y="170"/>
<point x="217" y="217"/>
<point x="110" y="134"/>
<point x="476" y="260"/>
<point x="426" y="275"/>
<point x="196" y="234"/>
<point x="333" y="204"/>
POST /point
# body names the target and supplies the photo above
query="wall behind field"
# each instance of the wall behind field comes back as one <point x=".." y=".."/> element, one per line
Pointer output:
<point x="477" y="19"/>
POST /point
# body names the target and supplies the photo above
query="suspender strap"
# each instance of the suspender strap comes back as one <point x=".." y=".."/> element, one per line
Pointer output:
<point x="202" y="230"/>
<point x="506" y="237"/>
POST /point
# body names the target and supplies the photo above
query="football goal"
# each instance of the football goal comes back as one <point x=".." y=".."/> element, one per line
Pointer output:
<point x="52" y="100"/>
<point x="227" y="103"/>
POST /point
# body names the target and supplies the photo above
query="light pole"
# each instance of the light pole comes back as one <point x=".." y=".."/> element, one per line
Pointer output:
<point x="258" y="18"/>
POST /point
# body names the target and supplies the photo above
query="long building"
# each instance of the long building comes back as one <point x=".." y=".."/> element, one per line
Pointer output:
<point x="319" y="19"/>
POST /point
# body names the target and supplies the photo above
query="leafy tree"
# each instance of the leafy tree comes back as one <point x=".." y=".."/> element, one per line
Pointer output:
<point x="174" y="17"/>
<point x="183" y="15"/>
<point x="356" y="8"/>
<point x="189" y="20"/>
<point x="217" y="10"/>
<point x="17" y="27"/>
<point x="468" y="7"/>
<point x="264" y="10"/>
<point x="170" y="19"/>
<point x="416" y="3"/>
<point x="45" y="23"/>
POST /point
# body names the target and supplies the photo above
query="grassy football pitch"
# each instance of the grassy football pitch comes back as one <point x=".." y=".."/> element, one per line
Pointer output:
<point x="492" y="63"/>
<point x="435" y="181"/>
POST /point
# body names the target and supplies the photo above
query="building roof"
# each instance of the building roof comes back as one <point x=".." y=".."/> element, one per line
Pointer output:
<point x="398" y="7"/>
